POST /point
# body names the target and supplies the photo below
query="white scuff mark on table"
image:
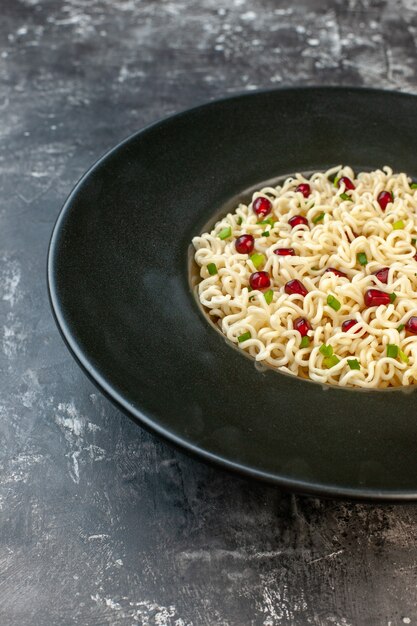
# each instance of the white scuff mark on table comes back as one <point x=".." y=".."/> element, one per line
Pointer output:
<point x="10" y="276"/>
<point x="326" y="556"/>
<point x="14" y="336"/>
<point x="100" y="536"/>
<point x="144" y="612"/>
<point x="74" y="426"/>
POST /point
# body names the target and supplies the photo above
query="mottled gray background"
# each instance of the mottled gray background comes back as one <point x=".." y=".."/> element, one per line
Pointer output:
<point x="101" y="523"/>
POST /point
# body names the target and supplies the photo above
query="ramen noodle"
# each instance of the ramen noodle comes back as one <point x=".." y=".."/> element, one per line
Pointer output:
<point x="317" y="277"/>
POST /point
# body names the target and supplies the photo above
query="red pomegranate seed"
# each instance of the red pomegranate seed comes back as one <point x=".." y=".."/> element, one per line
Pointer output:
<point x="305" y="189"/>
<point x="295" y="286"/>
<point x="259" y="280"/>
<point x="302" y="325"/>
<point x="348" y="324"/>
<point x="411" y="325"/>
<point x="347" y="182"/>
<point x="415" y="257"/>
<point x="333" y="270"/>
<point x="284" y="252"/>
<point x="262" y="206"/>
<point x="382" y="275"/>
<point x="245" y="244"/>
<point x="384" y="198"/>
<point x="297" y="220"/>
<point x="374" y="297"/>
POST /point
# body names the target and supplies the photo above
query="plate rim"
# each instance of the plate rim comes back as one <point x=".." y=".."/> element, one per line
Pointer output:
<point x="105" y="386"/>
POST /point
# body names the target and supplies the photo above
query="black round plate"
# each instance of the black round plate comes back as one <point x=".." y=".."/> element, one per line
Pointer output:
<point x="119" y="286"/>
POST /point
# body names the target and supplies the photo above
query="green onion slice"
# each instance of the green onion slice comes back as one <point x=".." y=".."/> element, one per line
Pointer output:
<point x="403" y="357"/>
<point x="333" y="302"/>
<point x="326" y="350"/>
<point x="225" y="232"/>
<point x="413" y="241"/>
<point x="413" y="186"/>
<point x="336" y="181"/>
<point x="318" y="218"/>
<point x="258" y="259"/>
<point x="330" y="361"/>
<point x="354" y="364"/>
<point x="400" y="327"/>
<point x="265" y="233"/>
<point x="392" y="297"/>
<point x="392" y="350"/>
<point x="244" y="337"/>
<point x="239" y="220"/>
<point x="345" y="196"/>
<point x="362" y="258"/>
<point x="398" y="225"/>
<point x="269" y="221"/>
<point x="268" y="295"/>
<point x="212" y="269"/>
<point x="305" y="342"/>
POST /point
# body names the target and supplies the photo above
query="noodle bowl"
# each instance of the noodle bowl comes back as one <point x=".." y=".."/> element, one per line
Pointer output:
<point x="350" y="242"/>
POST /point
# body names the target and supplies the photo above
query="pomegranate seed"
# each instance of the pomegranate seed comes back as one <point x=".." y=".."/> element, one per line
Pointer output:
<point x="384" y="198"/>
<point x="336" y="272"/>
<point x="305" y="189"/>
<point x="262" y="206"/>
<point x="259" y="280"/>
<point x="302" y="325"/>
<point x="297" y="220"/>
<point x="245" y="244"/>
<point x="374" y="297"/>
<point x="382" y="275"/>
<point x="347" y="182"/>
<point x="295" y="286"/>
<point x="348" y="324"/>
<point x="284" y="252"/>
<point x="411" y="325"/>
<point x="415" y="257"/>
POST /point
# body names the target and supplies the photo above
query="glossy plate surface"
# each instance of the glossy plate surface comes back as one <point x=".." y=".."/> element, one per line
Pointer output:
<point x="119" y="285"/>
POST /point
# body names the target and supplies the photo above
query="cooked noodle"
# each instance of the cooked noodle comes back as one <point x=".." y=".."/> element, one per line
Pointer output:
<point x="354" y="229"/>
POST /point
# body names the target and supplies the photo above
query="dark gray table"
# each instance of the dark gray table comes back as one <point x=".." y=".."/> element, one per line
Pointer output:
<point x="101" y="523"/>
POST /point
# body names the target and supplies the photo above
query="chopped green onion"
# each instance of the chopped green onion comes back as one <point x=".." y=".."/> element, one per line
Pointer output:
<point x="269" y="221"/>
<point x="413" y="186"/>
<point x="212" y="269"/>
<point x="257" y="259"/>
<point x="336" y="181"/>
<point x="392" y="350"/>
<point x="225" y="233"/>
<point x="333" y="302"/>
<point x="244" y="337"/>
<point x="239" y="220"/>
<point x="250" y="288"/>
<point x="330" y="361"/>
<point x="305" y="342"/>
<point x="318" y="218"/>
<point x="403" y="357"/>
<point x="354" y="364"/>
<point x="413" y="241"/>
<point x="265" y="233"/>
<point x="361" y="258"/>
<point x="398" y="225"/>
<point x="326" y="350"/>
<point x="392" y="297"/>
<point x="345" y="196"/>
<point x="400" y="327"/>
<point x="268" y="295"/>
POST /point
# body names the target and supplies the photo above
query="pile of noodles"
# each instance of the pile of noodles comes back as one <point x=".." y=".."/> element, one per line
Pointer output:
<point x="349" y="227"/>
